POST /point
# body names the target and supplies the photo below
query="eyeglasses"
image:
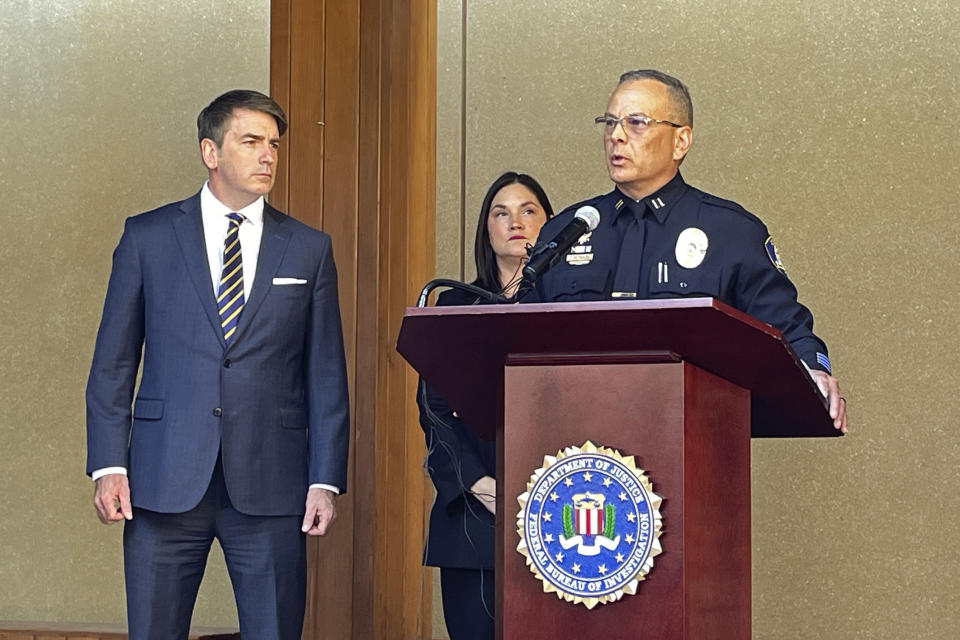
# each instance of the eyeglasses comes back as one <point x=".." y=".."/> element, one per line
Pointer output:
<point x="635" y="123"/>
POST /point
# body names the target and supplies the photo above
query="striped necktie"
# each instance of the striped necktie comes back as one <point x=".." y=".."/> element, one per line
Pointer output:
<point x="230" y="290"/>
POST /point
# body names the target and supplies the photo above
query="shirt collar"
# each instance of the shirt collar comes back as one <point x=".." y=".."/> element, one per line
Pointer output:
<point x="213" y="209"/>
<point x="659" y="203"/>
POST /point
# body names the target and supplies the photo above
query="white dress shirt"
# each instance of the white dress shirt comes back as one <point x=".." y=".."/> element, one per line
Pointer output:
<point x="215" y="224"/>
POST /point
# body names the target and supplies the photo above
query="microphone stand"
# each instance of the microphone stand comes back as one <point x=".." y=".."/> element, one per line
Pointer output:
<point x="462" y="286"/>
<point x="526" y="283"/>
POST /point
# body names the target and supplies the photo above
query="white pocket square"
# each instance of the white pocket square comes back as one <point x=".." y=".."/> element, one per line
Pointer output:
<point x="289" y="281"/>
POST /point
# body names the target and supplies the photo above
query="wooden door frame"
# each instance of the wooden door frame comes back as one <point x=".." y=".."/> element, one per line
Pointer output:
<point x="358" y="81"/>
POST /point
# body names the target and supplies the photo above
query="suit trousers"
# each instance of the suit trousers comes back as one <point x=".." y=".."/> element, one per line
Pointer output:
<point x="165" y="555"/>
<point x="468" y="603"/>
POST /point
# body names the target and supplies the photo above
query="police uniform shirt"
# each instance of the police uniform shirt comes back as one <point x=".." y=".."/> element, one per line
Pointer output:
<point x="680" y="242"/>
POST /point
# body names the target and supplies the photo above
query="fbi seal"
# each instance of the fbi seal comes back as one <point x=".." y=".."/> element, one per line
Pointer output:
<point x="589" y="525"/>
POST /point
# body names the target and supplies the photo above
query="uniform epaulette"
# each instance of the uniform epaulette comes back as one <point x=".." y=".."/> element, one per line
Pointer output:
<point x="730" y="205"/>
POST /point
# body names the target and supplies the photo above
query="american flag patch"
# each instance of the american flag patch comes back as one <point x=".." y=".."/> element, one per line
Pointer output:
<point x="824" y="361"/>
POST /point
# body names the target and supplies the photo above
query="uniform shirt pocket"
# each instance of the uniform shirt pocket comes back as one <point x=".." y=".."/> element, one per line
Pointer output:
<point x="580" y="284"/>
<point x="684" y="283"/>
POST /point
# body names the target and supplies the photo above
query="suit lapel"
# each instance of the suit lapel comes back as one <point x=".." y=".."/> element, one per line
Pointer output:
<point x="273" y="244"/>
<point x="188" y="227"/>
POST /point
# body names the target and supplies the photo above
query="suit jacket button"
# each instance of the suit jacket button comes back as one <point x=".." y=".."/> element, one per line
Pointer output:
<point x="218" y="412"/>
<point x="227" y="363"/>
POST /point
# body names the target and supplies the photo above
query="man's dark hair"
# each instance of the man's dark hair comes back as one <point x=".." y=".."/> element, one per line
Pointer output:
<point x="212" y="121"/>
<point x="488" y="274"/>
<point x="679" y="95"/>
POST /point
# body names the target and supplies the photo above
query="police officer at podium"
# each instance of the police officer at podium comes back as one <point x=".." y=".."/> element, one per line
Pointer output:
<point x="659" y="237"/>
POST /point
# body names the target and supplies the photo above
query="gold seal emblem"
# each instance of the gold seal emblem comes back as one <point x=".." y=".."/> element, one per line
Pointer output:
<point x="589" y="525"/>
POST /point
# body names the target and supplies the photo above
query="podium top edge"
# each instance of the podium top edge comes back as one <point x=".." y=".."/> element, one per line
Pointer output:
<point x="602" y="306"/>
<point x="669" y="303"/>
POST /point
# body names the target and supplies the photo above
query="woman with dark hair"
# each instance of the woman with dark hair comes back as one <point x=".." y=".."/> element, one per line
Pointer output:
<point x="461" y="465"/>
<point x="514" y="209"/>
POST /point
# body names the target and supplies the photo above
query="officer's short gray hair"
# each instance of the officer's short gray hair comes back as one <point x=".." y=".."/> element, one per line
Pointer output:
<point x="677" y="90"/>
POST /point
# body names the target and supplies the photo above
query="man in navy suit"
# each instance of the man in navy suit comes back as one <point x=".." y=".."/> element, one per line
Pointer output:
<point x="239" y="429"/>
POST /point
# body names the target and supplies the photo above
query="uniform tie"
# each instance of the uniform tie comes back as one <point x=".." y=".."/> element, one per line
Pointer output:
<point x="626" y="282"/>
<point x="230" y="290"/>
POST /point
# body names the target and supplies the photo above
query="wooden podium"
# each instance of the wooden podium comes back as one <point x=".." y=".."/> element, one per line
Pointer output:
<point x="680" y="384"/>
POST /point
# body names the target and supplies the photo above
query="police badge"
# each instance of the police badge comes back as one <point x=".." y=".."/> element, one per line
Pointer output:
<point x="582" y="252"/>
<point x="589" y="525"/>
<point x="691" y="247"/>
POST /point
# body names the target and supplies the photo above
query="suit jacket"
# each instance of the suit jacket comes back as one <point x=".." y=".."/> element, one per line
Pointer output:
<point x="461" y="531"/>
<point x="274" y="402"/>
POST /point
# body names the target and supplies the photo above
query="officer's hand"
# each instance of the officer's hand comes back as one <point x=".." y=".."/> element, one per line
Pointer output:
<point x="320" y="511"/>
<point x="837" y="403"/>
<point x="111" y="498"/>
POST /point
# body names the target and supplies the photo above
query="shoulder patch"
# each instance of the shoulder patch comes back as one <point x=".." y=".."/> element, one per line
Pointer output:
<point x="772" y="254"/>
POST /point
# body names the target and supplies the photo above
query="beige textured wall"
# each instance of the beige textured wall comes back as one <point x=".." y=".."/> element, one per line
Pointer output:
<point x="836" y="124"/>
<point x="98" y="109"/>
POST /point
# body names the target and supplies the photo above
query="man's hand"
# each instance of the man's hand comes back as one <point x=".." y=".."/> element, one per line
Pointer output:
<point x="320" y="511"/>
<point x="830" y="388"/>
<point x="111" y="498"/>
<point x="485" y="490"/>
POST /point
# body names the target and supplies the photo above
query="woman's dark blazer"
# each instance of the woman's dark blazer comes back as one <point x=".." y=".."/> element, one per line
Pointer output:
<point x="461" y="529"/>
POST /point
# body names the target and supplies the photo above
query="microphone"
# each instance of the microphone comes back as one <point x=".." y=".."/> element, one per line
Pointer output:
<point x="545" y="256"/>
